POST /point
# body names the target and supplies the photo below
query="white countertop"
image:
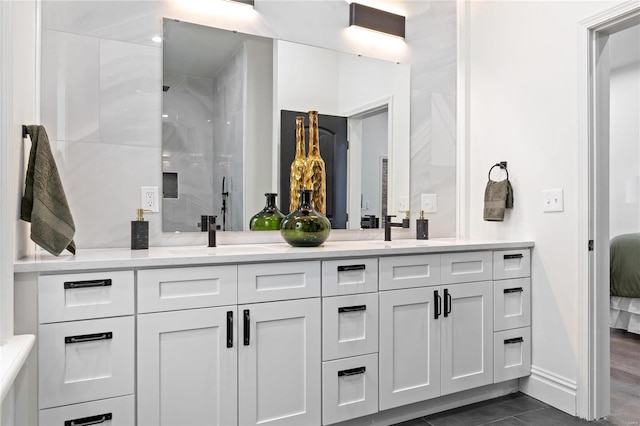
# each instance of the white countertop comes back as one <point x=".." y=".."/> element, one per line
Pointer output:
<point x="119" y="258"/>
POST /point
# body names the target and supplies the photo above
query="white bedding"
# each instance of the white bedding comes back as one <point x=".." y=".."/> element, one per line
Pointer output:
<point x="625" y="313"/>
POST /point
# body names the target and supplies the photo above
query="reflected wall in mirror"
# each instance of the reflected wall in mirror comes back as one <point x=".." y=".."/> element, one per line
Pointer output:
<point x="224" y="93"/>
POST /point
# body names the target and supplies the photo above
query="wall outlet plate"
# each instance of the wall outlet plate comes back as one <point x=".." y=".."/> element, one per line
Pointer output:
<point x="553" y="200"/>
<point x="149" y="198"/>
<point x="429" y="203"/>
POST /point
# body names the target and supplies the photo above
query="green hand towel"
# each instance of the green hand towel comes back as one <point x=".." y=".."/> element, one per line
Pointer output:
<point x="44" y="203"/>
<point x="498" y="196"/>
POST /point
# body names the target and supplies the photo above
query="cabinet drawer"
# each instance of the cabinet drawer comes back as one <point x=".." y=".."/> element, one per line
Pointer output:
<point x="511" y="264"/>
<point x="349" y="325"/>
<point x="349" y="276"/>
<point x="511" y="354"/>
<point x="398" y="272"/>
<point x="186" y="288"/>
<point x="114" y="411"/>
<point x="71" y="297"/>
<point x="466" y="267"/>
<point x="512" y="304"/>
<point x="85" y="360"/>
<point x="264" y="282"/>
<point x="349" y="388"/>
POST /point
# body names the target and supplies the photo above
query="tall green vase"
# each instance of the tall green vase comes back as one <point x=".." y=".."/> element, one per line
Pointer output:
<point x="269" y="218"/>
<point x="305" y="227"/>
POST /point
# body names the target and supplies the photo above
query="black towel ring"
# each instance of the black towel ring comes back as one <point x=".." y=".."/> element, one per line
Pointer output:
<point x="502" y="165"/>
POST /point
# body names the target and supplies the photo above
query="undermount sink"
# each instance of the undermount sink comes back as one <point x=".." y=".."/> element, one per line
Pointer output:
<point x="403" y="243"/>
<point x="217" y="251"/>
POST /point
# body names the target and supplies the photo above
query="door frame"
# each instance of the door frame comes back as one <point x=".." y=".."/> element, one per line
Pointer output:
<point x="593" y="391"/>
<point x="354" y="154"/>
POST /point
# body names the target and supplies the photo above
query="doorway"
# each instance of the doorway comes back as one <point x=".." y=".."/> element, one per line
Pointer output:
<point x="594" y="389"/>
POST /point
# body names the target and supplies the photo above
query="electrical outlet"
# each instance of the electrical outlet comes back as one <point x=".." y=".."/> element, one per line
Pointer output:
<point x="403" y="204"/>
<point x="149" y="198"/>
<point x="429" y="203"/>
<point x="553" y="200"/>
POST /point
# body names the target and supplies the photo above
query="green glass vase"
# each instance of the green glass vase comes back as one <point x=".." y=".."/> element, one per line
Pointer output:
<point x="305" y="227"/>
<point x="269" y="218"/>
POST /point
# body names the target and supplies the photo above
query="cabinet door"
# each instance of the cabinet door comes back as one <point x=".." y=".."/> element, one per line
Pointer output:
<point x="187" y="373"/>
<point x="409" y="346"/>
<point x="279" y="366"/>
<point x="467" y="336"/>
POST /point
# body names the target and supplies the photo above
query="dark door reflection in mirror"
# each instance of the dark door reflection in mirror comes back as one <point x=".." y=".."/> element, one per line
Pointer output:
<point x="333" y="150"/>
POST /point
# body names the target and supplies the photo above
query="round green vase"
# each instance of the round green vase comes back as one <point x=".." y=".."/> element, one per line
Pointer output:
<point x="269" y="218"/>
<point x="305" y="227"/>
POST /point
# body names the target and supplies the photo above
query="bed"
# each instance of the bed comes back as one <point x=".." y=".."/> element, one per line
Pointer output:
<point x="624" y="302"/>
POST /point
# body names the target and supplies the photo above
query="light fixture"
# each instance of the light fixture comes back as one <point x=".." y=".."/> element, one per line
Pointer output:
<point x="157" y="39"/>
<point x="248" y="2"/>
<point x="376" y="19"/>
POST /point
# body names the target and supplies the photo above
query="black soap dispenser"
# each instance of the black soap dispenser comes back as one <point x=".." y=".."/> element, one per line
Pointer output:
<point x="422" y="227"/>
<point x="139" y="231"/>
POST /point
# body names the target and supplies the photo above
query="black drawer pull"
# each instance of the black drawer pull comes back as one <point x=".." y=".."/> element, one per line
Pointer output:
<point x="513" y="290"/>
<point x="86" y="421"/>
<point x="513" y="256"/>
<point x="352" y="308"/>
<point x="352" y="371"/>
<point x="229" y="329"/>
<point x="351" y="268"/>
<point x="88" y="337"/>
<point x="437" y="303"/>
<point x="247" y="324"/>
<point x="447" y="303"/>
<point x="87" y="284"/>
<point x="514" y="340"/>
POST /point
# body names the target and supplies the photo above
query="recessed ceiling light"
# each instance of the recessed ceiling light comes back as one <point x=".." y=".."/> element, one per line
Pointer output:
<point x="157" y="39"/>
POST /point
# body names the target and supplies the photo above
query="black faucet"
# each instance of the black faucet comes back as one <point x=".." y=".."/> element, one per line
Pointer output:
<point x="212" y="230"/>
<point x="387" y="226"/>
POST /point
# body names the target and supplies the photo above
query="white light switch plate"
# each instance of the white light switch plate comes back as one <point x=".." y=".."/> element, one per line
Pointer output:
<point x="429" y="203"/>
<point x="149" y="198"/>
<point x="553" y="200"/>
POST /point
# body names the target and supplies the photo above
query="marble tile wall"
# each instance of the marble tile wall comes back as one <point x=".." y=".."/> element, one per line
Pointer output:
<point x="228" y="122"/>
<point x="100" y="104"/>
<point x="101" y="97"/>
<point x="432" y="32"/>
<point x="187" y="141"/>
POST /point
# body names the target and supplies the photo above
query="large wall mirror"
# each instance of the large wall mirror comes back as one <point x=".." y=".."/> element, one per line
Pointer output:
<point x="227" y="101"/>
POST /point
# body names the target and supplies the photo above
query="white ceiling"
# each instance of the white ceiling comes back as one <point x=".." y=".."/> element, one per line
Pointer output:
<point x="197" y="50"/>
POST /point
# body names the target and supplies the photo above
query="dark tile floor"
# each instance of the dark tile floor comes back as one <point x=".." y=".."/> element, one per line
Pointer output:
<point x="515" y="409"/>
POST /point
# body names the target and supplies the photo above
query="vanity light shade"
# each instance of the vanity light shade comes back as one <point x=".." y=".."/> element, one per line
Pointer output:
<point x="249" y="2"/>
<point x="376" y="19"/>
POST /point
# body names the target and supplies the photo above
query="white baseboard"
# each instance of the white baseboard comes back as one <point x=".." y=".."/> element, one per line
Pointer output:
<point x="550" y="388"/>
<point x="436" y="405"/>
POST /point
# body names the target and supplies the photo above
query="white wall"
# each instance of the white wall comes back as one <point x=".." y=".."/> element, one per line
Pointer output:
<point x="18" y="53"/>
<point x="624" y="143"/>
<point x="523" y="108"/>
<point x="258" y="127"/>
<point x="98" y="143"/>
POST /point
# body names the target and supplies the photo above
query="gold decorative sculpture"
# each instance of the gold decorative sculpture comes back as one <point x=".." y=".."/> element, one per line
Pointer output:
<point x="298" y="167"/>
<point x="315" y="176"/>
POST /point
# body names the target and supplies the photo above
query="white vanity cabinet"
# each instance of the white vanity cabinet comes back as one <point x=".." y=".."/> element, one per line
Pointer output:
<point x="86" y="347"/>
<point x="320" y="338"/>
<point x="279" y="363"/>
<point x="349" y="339"/>
<point x="436" y="339"/>
<point x="187" y="367"/>
<point x="512" y="314"/>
